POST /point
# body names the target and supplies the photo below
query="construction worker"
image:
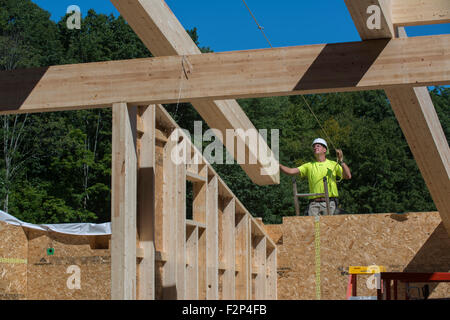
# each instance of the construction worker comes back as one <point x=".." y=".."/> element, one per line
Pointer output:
<point x="315" y="171"/>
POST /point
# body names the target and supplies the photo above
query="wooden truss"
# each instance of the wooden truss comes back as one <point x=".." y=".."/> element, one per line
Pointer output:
<point x="223" y="253"/>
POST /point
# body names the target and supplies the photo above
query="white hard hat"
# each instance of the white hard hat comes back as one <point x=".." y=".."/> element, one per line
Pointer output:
<point x="321" y="141"/>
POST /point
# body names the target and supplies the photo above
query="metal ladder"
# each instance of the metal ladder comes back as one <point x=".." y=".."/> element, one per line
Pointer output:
<point x="298" y="195"/>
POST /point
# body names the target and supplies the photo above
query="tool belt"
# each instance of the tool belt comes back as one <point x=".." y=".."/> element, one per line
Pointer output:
<point x="324" y="200"/>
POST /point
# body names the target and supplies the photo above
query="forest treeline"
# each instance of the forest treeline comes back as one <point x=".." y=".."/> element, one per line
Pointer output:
<point x="56" y="167"/>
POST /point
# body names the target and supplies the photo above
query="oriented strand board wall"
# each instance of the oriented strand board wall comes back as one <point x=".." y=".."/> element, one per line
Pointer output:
<point x="48" y="274"/>
<point x="13" y="267"/>
<point x="415" y="242"/>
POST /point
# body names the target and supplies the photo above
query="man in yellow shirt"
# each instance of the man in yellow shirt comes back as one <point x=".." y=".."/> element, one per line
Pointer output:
<point x="315" y="171"/>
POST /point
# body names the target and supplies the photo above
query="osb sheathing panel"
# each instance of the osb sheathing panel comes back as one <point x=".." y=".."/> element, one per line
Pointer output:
<point x="48" y="274"/>
<point x="13" y="267"/>
<point x="414" y="242"/>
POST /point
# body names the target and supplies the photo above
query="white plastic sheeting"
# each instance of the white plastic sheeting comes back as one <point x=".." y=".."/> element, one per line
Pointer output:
<point x="81" y="229"/>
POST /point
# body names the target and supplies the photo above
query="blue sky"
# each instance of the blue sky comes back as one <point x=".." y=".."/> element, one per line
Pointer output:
<point x="226" y="25"/>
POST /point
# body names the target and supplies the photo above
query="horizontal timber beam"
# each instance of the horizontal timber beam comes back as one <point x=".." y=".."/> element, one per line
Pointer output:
<point x="420" y="12"/>
<point x="366" y="65"/>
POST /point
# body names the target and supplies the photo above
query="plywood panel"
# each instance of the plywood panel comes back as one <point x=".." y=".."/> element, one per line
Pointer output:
<point x="50" y="277"/>
<point x="414" y="242"/>
<point x="13" y="262"/>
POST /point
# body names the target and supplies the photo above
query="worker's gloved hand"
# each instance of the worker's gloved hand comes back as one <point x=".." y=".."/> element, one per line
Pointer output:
<point x="340" y="155"/>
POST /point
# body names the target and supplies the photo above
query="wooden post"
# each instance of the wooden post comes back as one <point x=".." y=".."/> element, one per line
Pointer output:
<point x="180" y="234"/>
<point x="242" y="257"/>
<point x="169" y="224"/>
<point x="199" y="215"/>
<point x="259" y="267"/>
<point x="212" y="234"/>
<point x="227" y="247"/>
<point x="146" y="203"/>
<point x="271" y="281"/>
<point x="192" y="262"/>
<point x="123" y="203"/>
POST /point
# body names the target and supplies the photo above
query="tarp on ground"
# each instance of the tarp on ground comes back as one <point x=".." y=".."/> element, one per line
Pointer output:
<point x="81" y="229"/>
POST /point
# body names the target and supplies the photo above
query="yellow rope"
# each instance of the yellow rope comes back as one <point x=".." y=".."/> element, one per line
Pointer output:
<point x="317" y="255"/>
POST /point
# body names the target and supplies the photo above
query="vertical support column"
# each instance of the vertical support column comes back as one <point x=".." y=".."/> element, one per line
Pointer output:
<point x="212" y="234"/>
<point x="271" y="281"/>
<point x="259" y="266"/>
<point x="242" y="258"/>
<point x="227" y="248"/>
<point x="160" y="141"/>
<point x="169" y="224"/>
<point x="180" y="234"/>
<point x="192" y="265"/>
<point x="123" y="202"/>
<point x="199" y="215"/>
<point x="146" y="203"/>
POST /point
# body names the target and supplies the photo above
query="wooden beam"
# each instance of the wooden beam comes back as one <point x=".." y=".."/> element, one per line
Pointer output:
<point x="170" y="290"/>
<point x="123" y="203"/>
<point x="243" y="257"/>
<point x="163" y="34"/>
<point x="363" y="65"/>
<point x="420" y="12"/>
<point x="362" y="16"/>
<point x="271" y="275"/>
<point x="212" y="234"/>
<point x="422" y="129"/>
<point x="193" y="177"/>
<point x="259" y="266"/>
<point x="227" y="248"/>
<point x="146" y="204"/>
<point x="199" y="212"/>
<point x="157" y="27"/>
<point x="192" y="265"/>
<point x="180" y="234"/>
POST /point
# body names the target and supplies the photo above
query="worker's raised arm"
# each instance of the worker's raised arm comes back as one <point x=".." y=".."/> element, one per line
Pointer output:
<point x="346" y="174"/>
<point x="289" y="171"/>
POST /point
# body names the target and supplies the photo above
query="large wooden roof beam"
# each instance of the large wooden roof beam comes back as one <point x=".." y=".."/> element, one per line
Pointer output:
<point x="367" y="65"/>
<point x="163" y="35"/>
<point x="420" y="12"/>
